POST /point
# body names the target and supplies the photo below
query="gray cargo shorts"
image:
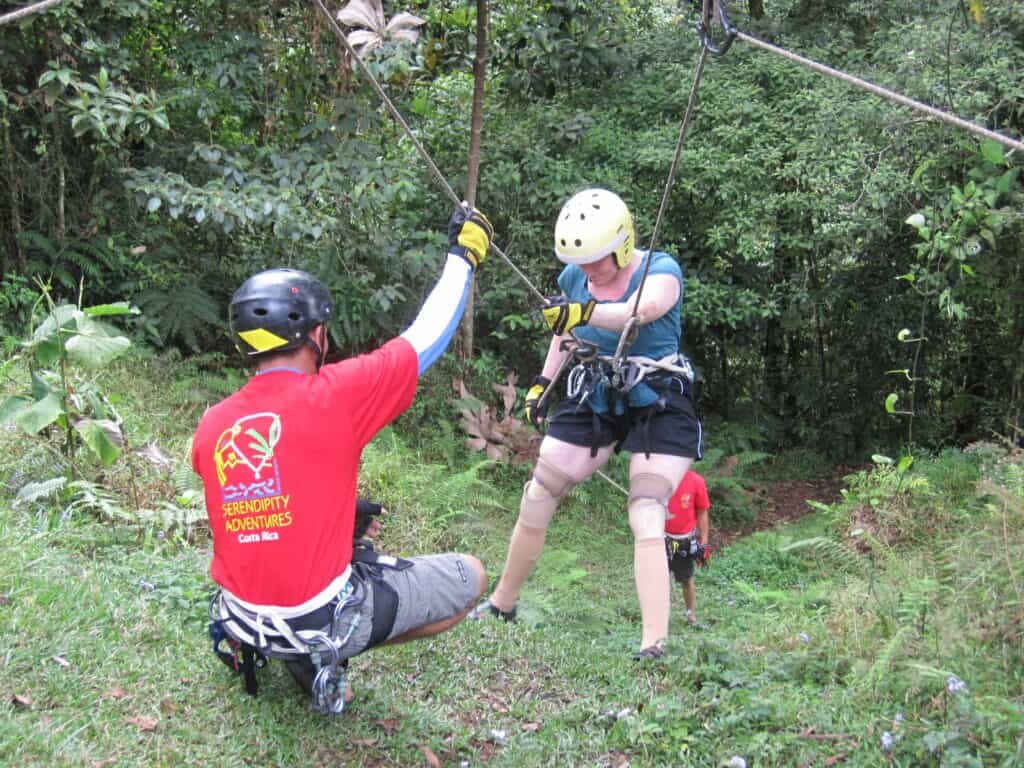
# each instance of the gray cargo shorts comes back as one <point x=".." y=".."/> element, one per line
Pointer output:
<point x="435" y="588"/>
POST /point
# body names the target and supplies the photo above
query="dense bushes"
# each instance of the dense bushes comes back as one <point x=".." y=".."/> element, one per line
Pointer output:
<point x="162" y="157"/>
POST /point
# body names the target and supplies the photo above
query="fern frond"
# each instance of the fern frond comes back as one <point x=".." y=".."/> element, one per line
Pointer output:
<point x="39" y="242"/>
<point x="95" y="498"/>
<point x="46" y="489"/>
<point x="883" y="661"/>
<point x="182" y="313"/>
<point x="829" y="552"/>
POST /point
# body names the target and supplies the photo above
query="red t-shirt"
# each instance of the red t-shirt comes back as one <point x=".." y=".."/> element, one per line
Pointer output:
<point x="689" y="498"/>
<point x="279" y="460"/>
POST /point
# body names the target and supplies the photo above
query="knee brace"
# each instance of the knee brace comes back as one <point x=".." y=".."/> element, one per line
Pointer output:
<point x="542" y="494"/>
<point x="648" y="505"/>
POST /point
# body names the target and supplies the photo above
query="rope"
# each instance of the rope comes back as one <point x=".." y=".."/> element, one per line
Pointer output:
<point x="28" y="10"/>
<point x="885" y="93"/>
<point x="434" y="170"/>
<point x="671" y="175"/>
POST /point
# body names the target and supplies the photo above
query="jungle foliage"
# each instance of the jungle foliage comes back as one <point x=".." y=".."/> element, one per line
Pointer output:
<point x="839" y="251"/>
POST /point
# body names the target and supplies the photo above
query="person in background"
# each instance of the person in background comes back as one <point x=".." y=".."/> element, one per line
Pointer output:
<point x="686" y="535"/>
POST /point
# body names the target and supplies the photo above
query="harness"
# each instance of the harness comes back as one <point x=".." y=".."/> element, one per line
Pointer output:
<point x="625" y="387"/>
<point x="253" y="633"/>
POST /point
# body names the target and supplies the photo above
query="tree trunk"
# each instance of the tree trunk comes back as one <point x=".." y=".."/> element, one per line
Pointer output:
<point x="756" y="9"/>
<point x="473" y="165"/>
<point x="12" y="189"/>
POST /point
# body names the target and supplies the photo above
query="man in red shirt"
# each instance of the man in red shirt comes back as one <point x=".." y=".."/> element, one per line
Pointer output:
<point x="686" y="535"/>
<point x="279" y="461"/>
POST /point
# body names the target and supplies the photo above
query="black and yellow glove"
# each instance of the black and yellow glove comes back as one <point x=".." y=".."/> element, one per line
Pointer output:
<point x="532" y="409"/>
<point x="469" y="235"/>
<point x="563" y="315"/>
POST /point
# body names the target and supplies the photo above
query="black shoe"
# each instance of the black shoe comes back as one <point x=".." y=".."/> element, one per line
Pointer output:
<point x="486" y="608"/>
<point x="655" y="651"/>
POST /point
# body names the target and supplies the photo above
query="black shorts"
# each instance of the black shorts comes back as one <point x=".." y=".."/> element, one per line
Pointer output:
<point x="670" y="427"/>
<point x="680" y="561"/>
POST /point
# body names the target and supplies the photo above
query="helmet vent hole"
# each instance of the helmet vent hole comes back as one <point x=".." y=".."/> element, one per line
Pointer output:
<point x="259" y="311"/>
<point x="595" y="206"/>
<point x="563" y="242"/>
<point x="293" y="316"/>
<point x="583" y="217"/>
<point x="578" y="242"/>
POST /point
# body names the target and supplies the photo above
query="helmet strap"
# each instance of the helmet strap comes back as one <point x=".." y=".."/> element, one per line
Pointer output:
<point x="320" y="351"/>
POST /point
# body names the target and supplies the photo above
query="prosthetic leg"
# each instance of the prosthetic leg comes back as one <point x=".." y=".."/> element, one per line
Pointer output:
<point x="540" y="499"/>
<point x="648" y="507"/>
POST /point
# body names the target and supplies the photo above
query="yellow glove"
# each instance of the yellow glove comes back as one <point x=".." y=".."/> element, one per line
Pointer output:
<point x="469" y="235"/>
<point x="532" y="409"/>
<point x="563" y="315"/>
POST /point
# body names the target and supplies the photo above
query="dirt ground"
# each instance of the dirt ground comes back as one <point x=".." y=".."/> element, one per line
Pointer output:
<point x="783" y="502"/>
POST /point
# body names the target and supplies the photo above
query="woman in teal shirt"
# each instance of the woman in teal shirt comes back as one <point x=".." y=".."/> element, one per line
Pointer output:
<point x="643" y="404"/>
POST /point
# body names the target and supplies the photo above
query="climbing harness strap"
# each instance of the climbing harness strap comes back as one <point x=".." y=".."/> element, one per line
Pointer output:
<point x="259" y="631"/>
<point x="255" y="632"/>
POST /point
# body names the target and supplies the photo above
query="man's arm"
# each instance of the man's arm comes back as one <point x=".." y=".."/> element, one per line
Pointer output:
<point x="469" y="236"/>
<point x="704" y="524"/>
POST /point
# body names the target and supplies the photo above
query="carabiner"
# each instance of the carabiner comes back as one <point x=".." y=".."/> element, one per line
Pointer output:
<point x="717" y="49"/>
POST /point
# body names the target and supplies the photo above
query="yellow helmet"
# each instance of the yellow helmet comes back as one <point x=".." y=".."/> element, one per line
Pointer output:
<point x="593" y="224"/>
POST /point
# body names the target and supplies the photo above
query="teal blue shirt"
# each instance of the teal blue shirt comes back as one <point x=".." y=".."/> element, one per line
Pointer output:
<point x="655" y="340"/>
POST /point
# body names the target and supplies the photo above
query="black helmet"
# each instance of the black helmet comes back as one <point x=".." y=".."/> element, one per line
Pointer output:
<point x="273" y="311"/>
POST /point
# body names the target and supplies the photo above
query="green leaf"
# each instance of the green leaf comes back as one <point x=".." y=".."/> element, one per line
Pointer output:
<point x="40" y="388"/>
<point x="153" y="204"/>
<point x="880" y="459"/>
<point x="48" y="352"/>
<point x="11" y="406"/>
<point x="56" y="320"/>
<point x="102" y="436"/>
<point x="95" y="351"/>
<point x="40" y="414"/>
<point x="890" y="402"/>
<point x="118" y="308"/>
<point x="992" y="151"/>
<point x="904" y="334"/>
<point x="904" y="464"/>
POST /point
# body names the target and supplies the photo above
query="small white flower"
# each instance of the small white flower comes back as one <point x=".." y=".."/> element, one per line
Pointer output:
<point x="888" y="742"/>
<point x="737" y="762"/>
<point x="625" y="712"/>
<point x="898" y="718"/>
<point x="498" y="735"/>
<point x="955" y="685"/>
<point x="805" y="637"/>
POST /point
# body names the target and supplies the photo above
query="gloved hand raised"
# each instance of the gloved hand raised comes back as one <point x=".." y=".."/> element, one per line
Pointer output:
<point x="563" y="315"/>
<point x="469" y="235"/>
<point x="532" y="409"/>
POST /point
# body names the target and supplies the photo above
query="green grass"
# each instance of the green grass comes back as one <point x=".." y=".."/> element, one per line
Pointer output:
<point x="800" y="657"/>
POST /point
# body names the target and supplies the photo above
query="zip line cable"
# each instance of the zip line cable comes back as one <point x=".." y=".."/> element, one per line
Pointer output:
<point x="732" y="32"/>
<point x="939" y="114"/>
<point x="28" y="10"/>
<point x="670" y="181"/>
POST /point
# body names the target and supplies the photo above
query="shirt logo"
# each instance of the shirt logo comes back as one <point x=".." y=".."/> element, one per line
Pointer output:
<point x="244" y="457"/>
